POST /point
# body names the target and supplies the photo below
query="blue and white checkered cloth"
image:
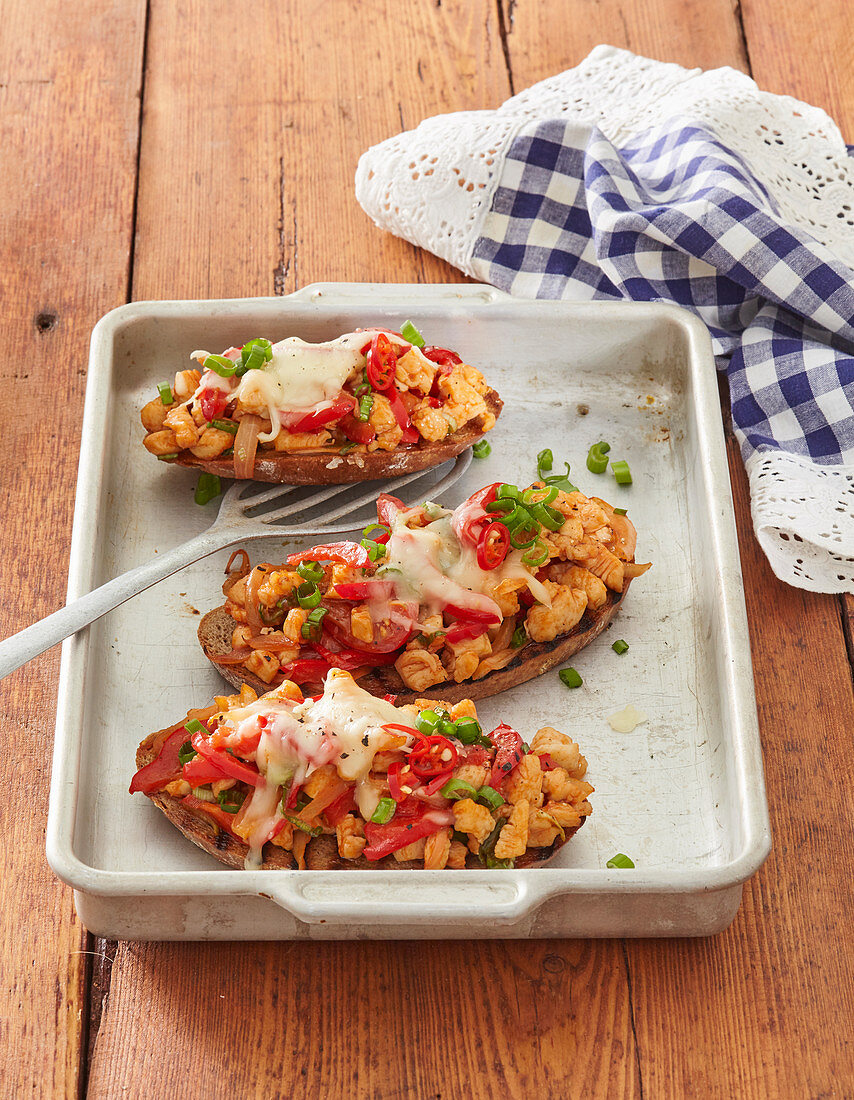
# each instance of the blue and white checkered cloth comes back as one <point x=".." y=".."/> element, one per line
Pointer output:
<point x="678" y="217"/>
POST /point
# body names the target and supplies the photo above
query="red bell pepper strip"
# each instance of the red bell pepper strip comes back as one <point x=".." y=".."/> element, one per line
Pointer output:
<point x="473" y="614"/>
<point x="436" y="784"/>
<point x="410" y="434"/>
<point x="359" y="431"/>
<point x="493" y="545"/>
<point x="344" y="804"/>
<point x="200" y="771"/>
<point x="351" y="553"/>
<point x="343" y="405"/>
<point x="385" y="839"/>
<point x="223" y="819"/>
<point x="459" y="632"/>
<point x="509" y="745"/>
<point x="163" y="768"/>
<point x="365" y="590"/>
<point x="435" y="754"/>
<point x="228" y="764"/>
<point x="388" y="508"/>
<point x="212" y="403"/>
<point x="382" y="362"/>
<point x="442" y="357"/>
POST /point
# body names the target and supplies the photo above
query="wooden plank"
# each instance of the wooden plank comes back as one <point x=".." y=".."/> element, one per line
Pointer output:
<point x="69" y="82"/>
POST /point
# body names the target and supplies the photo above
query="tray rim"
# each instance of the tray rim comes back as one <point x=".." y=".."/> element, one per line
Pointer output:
<point x="539" y="883"/>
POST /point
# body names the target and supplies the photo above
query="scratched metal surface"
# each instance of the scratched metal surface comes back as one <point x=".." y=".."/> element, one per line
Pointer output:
<point x="682" y="793"/>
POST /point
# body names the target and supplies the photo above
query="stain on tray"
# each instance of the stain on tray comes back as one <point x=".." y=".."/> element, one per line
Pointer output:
<point x="190" y="610"/>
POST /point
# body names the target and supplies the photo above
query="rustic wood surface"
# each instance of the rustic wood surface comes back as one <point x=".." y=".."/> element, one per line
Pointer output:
<point x="199" y="149"/>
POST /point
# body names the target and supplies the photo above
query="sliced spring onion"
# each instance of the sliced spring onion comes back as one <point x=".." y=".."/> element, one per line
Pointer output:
<point x="312" y="830"/>
<point x="186" y="753"/>
<point x="447" y="727"/>
<point x="308" y="595"/>
<point x="537" y="555"/>
<point x="228" y="453"/>
<point x="376" y="550"/>
<point x="363" y="387"/>
<point x="520" y="637"/>
<point x="384" y="811"/>
<point x="547" y="516"/>
<point x="620" y="511"/>
<point x="545" y="461"/>
<point x="539" y="496"/>
<point x="620" y="646"/>
<point x="619" y="860"/>
<point x="508" y="491"/>
<point x="312" y="625"/>
<point x="468" y="731"/>
<point x="570" y="677"/>
<point x="225" y="426"/>
<point x="524" y="535"/>
<point x="259" y="342"/>
<point x="456" y="789"/>
<point x="490" y="796"/>
<point x="562" y="481"/>
<point x="347" y="448"/>
<point x="381" y="527"/>
<point x="167" y="458"/>
<point x="209" y="486"/>
<point x="488" y="846"/>
<point x="493" y="864"/>
<point x="621" y="472"/>
<point x="366" y="403"/>
<point x="310" y="571"/>
<point x="220" y="365"/>
<point x="507" y="506"/>
<point x="165" y="391"/>
<point x="427" y="721"/>
<point x="203" y="794"/>
<point x="409" y="332"/>
<point x="481" y="449"/>
<point x="194" y="726"/>
<point x="597" y="463"/>
<point x="231" y="800"/>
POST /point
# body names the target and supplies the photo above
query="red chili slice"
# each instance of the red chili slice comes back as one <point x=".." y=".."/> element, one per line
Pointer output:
<point x="212" y="403"/>
<point x="471" y="515"/>
<point x="410" y="434"/>
<point x="351" y="553"/>
<point x="341" y="406"/>
<point x="493" y="545"/>
<point x="382" y="362"/>
<point x="437" y="784"/>
<point x="509" y="752"/>
<point x="400" y="775"/>
<point x="441" y="356"/>
<point x="428" y="759"/>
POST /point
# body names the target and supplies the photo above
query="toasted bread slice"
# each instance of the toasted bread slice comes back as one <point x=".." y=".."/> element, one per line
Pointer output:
<point x="217" y="627"/>
<point x="323" y="468"/>
<point x="320" y="855"/>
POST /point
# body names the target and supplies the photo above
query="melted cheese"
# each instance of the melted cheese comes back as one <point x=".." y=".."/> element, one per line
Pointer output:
<point x="344" y="727"/>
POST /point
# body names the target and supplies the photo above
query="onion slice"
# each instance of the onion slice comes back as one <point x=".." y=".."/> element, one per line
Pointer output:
<point x="236" y="657"/>
<point x="245" y="446"/>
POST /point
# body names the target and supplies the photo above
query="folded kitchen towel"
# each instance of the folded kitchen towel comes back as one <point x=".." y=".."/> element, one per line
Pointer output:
<point x="630" y="178"/>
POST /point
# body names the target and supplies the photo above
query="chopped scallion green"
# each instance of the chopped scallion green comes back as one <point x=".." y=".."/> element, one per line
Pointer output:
<point x="455" y="789"/>
<point x="225" y="426"/>
<point x="165" y="391"/>
<point x="209" y="486"/>
<point x="168" y="458"/>
<point x="468" y="731"/>
<point x="186" y="753"/>
<point x="597" y="463"/>
<point x="619" y="860"/>
<point x="620" y="511"/>
<point x="312" y="625"/>
<point x="312" y="830"/>
<point x="366" y="403"/>
<point x="537" y="555"/>
<point x="376" y="550"/>
<point x="310" y="571"/>
<point x="520" y="637"/>
<point x="570" y="677"/>
<point x="620" y="646"/>
<point x="220" y="365"/>
<point x="384" y="811"/>
<point x="194" y="726"/>
<point x="231" y="800"/>
<point x="621" y="472"/>
<point x="481" y="449"/>
<point x="490" y="796"/>
<point x="427" y="721"/>
<point x="545" y="461"/>
<point x="409" y="332"/>
<point x="308" y="595"/>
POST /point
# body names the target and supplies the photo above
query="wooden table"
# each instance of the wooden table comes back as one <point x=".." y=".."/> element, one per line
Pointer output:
<point x="180" y="149"/>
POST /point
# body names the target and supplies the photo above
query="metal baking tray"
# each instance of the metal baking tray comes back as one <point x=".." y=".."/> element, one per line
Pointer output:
<point x="683" y="794"/>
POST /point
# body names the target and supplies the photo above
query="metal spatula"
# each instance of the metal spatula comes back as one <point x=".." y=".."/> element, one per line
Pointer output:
<point x="249" y="511"/>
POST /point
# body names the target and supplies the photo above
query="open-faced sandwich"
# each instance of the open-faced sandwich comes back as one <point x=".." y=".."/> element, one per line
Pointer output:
<point x="478" y="599"/>
<point x="371" y="403"/>
<point x="348" y="780"/>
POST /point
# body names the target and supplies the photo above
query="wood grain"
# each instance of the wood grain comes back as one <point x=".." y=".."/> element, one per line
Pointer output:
<point x="66" y="201"/>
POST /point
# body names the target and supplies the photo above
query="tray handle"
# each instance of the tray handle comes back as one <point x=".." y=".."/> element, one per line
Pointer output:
<point x="503" y="900"/>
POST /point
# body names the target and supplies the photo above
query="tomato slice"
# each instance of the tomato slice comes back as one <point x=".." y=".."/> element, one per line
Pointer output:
<point x="459" y="632"/>
<point x="344" y="804"/>
<point x="200" y="771"/>
<point x="410" y="434"/>
<point x="306" y="670"/>
<point x="388" y="507"/>
<point x="164" y="768"/>
<point x="223" y="819"/>
<point x="442" y="357"/>
<point x="351" y="553"/>
<point x="365" y="590"/>
<point x="359" y="431"/>
<point x="212" y="403"/>
<point x="324" y="413"/>
<point x="390" y="633"/>
<point x="229" y="765"/>
<point x="382" y="362"/>
<point x="509" y="752"/>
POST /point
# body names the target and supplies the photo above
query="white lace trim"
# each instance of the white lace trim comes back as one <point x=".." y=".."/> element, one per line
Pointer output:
<point x="433" y="185"/>
<point x="803" y="516"/>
